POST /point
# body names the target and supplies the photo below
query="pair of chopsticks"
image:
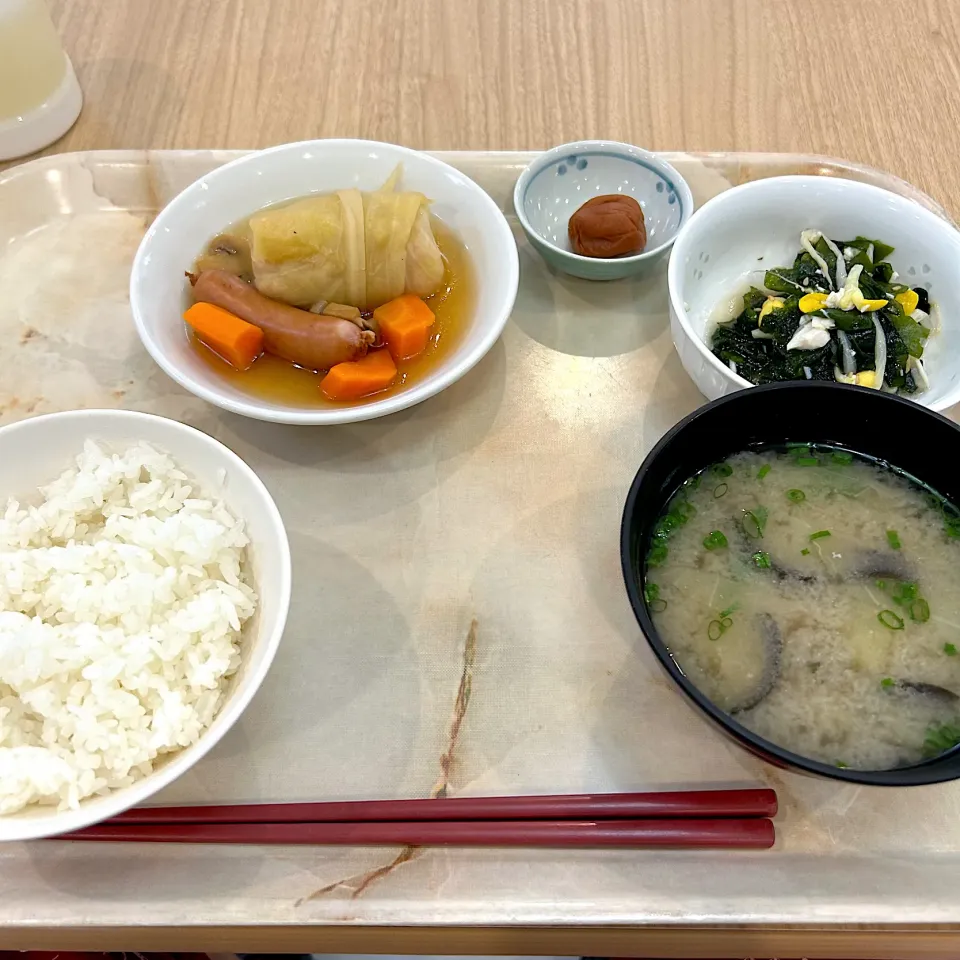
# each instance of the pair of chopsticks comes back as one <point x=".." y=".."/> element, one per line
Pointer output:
<point x="704" y="818"/>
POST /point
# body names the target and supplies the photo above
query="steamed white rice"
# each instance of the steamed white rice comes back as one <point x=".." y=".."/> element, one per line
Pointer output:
<point x="122" y="596"/>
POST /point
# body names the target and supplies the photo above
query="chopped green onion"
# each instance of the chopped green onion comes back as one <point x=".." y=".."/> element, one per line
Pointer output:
<point x="721" y="470"/>
<point x="726" y="623"/>
<point x="729" y="610"/>
<point x="807" y="462"/>
<point x="693" y="483"/>
<point x="890" y="620"/>
<point x="906" y="593"/>
<point x="893" y="539"/>
<point x="763" y="471"/>
<point x="842" y="457"/>
<point x="666" y="526"/>
<point x="715" y="539"/>
<point x="685" y="510"/>
<point x="720" y="490"/>
<point x="651" y="593"/>
<point x="919" y="610"/>
<point x="754" y="522"/>
<point x="761" y="559"/>
<point x="841" y="765"/>
<point x="805" y="552"/>
<point x="950" y="649"/>
<point x="797" y="496"/>
<point x="940" y="738"/>
<point x="881" y="584"/>
<point x="819" y="535"/>
<point x="714" y="630"/>
<point x="886" y="682"/>
<point x="658" y="553"/>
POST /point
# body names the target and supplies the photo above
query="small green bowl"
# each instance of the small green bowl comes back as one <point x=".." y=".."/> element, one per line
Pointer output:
<point x="561" y="180"/>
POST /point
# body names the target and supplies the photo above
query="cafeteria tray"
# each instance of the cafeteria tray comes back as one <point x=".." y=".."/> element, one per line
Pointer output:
<point x="459" y="624"/>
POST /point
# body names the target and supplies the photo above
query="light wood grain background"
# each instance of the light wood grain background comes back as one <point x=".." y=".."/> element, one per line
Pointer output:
<point x="874" y="80"/>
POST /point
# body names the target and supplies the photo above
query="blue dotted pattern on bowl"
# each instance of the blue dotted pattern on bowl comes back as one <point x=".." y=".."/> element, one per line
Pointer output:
<point x="550" y="194"/>
<point x="556" y="191"/>
<point x="581" y="163"/>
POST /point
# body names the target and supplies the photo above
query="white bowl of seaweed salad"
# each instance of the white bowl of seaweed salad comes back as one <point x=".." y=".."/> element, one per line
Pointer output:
<point x="817" y="278"/>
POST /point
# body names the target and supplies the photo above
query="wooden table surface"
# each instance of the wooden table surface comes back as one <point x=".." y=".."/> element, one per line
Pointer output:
<point x="876" y="81"/>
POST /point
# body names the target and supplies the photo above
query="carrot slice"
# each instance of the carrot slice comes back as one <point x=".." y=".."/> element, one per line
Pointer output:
<point x="235" y="340"/>
<point x="359" y="378"/>
<point x="405" y="325"/>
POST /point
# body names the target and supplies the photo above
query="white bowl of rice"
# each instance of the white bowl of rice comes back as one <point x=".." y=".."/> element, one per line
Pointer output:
<point x="144" y="587"/>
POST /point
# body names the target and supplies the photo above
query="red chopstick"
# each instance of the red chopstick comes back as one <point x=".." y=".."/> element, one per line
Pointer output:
<point x="701" y="804"/>
<point x="754" y="833"/>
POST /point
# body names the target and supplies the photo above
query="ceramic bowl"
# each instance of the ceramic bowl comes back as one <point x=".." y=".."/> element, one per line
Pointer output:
<point x="561" y="180"/>
<point x="734" y="237"/>
<point x="33" y="452"/>
<point x="872" y="423"/>
<point x="159" y="292"/>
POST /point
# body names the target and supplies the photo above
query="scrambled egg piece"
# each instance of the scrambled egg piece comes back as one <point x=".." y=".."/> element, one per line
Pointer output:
<point x="811" y="302"/>
<point x="851" y="296"/>
<point x="865" y="378"/>
<point x="908" y="300"/>
<point x="846" y="299"/>
<point x="772" y="303"/>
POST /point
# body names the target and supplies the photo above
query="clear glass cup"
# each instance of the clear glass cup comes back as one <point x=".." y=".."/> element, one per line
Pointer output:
<point x="39" y="95"/>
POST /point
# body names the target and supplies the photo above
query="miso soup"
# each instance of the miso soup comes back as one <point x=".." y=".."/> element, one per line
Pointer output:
<point x="815" y="595"/>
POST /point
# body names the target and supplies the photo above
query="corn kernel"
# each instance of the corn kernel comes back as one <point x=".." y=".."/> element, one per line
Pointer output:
<point x="811" y="302"/>
<point x="908" y="300"/>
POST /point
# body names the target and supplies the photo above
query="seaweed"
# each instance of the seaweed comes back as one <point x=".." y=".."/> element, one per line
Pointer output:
<point x="803" y="277"/>
<point x="762" y="360"/>
<point x="881" y="250"/>
<point x="765" y="358"/>
<point x="882" y="273"/>
<point x="824" y="250"/>
<point x="910" y="332"/>
<point x="895" y="374"/>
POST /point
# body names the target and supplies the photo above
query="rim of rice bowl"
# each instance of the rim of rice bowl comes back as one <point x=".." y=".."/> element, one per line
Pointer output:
<point x="35" y="453"/>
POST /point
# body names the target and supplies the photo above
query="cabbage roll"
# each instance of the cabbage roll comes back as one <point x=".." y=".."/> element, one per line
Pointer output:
<point x="361" y="249"/>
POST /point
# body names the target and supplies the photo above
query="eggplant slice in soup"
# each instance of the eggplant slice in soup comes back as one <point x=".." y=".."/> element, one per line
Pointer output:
<point x="772" y="649"/>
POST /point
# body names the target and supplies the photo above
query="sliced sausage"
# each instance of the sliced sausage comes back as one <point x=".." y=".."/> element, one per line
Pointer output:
<point x="311" y="341"/>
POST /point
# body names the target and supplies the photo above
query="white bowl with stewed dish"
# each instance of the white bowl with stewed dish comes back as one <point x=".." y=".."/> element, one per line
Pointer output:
<point x="736" y="236"/>
<point x="160" y="293"/>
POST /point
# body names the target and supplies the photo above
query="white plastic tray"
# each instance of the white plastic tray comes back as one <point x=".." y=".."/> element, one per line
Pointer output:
<point x="495" y="504"/>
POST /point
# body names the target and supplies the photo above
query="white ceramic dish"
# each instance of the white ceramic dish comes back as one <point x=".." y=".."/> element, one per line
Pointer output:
<point x="35" y="451"/>
<point x="561" y="180"/>
<point x="738" y="234"/>
<point x="159" y="292"/>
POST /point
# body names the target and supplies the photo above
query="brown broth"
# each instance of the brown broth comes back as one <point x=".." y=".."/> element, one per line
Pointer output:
<point x="280" y="381"/>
